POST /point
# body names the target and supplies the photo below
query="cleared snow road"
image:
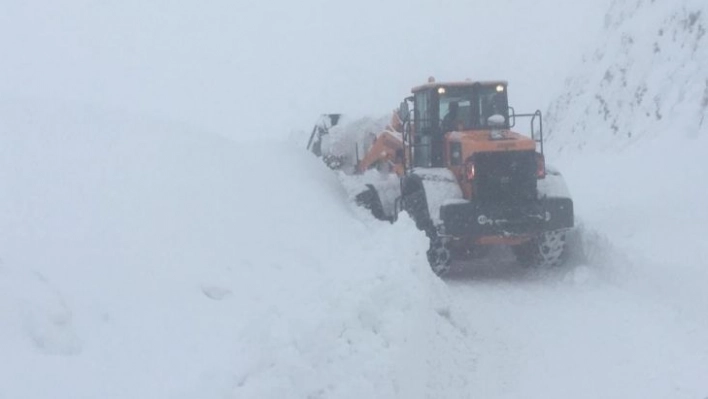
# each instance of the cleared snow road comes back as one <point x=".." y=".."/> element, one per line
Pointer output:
<point x="574" y="336"/>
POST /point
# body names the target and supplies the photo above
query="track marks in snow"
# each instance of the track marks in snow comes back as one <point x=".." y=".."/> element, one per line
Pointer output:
<point x="46" y="320"/>
<point x="216" y="292"/>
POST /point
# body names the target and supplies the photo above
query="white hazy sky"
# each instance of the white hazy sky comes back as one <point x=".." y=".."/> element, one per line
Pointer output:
<point x="252" y="68"/>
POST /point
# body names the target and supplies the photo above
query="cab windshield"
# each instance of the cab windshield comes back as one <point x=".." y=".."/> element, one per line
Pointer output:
<point x="469" y="108"/>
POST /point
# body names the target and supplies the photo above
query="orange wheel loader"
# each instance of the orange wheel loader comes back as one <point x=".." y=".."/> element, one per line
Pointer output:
<point x="466" y="178"/>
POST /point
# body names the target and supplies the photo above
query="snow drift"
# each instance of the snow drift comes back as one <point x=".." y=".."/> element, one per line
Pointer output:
<point x="141" y="260"/>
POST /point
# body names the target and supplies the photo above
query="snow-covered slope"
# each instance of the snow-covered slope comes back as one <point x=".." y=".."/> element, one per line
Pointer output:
<point x="142" y="261"/>
<point x="646" y="78"/>
<point x="631" y="130"/>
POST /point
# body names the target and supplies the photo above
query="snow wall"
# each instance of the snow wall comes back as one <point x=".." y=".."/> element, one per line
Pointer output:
<point x="140" y="260"/>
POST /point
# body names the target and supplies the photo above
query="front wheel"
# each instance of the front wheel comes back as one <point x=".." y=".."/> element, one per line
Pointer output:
<point x="544" y="250"/>
<point x="439" y="256"/>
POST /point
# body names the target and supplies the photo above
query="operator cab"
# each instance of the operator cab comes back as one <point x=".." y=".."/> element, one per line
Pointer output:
<point x="440" y="108"/>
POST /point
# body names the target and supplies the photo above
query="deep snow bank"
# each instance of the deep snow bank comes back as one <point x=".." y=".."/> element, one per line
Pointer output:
<point x="139" y="260"/>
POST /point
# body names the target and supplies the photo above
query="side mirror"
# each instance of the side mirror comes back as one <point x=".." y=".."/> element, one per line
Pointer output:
<point x="512" y="117"/>
<point x="404" y="113"/>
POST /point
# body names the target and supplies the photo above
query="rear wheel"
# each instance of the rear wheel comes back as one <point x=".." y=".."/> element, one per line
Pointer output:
<point x="544" y="250"/>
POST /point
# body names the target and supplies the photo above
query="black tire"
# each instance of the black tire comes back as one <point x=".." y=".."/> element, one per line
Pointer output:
<point x="415" y="204"/>
<point x="439" y="256"/>
<point x="545" y="250"/>
<point x="370" y="200"/>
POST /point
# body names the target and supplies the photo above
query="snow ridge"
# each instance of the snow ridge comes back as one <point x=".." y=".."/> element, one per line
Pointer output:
<point x="142" y="261"/>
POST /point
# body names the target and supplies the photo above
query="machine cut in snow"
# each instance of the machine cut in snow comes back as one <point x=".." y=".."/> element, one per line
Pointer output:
<point x="449" y="158"/>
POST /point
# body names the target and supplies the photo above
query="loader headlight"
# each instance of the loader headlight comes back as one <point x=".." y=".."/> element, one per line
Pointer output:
<point x="500" y="88"/>
<point x="441" y="90"/>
